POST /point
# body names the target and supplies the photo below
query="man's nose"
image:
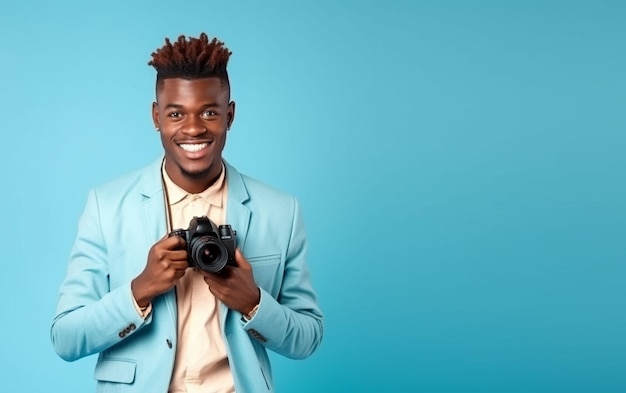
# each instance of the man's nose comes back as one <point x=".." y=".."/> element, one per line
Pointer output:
<point x="194" y="126"/>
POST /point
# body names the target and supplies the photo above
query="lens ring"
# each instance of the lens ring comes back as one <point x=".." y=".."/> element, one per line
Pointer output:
<point x="208" y="253"/>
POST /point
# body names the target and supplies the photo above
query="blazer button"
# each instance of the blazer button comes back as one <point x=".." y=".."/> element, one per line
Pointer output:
<point x="169" y="343"/>
<point x="257" y="335"/>
<point x="122" y="334"/>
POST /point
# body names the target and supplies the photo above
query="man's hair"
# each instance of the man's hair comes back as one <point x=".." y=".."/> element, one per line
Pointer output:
<point x="194" y="58"/>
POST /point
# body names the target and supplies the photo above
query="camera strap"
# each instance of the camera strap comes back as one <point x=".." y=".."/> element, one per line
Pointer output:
<point x="166" y="197"/>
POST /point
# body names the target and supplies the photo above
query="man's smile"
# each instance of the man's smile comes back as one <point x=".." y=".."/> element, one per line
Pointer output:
<point x="193" y="147"/>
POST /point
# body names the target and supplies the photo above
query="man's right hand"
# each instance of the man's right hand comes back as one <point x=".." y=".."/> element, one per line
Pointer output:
<point x="167" y="263"/>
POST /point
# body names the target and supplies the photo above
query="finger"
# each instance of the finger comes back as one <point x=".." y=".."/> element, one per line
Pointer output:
<point x="241" y="261"/>
<point x="214" y="277"/>
<point x="208" y="280"/>
<point x="179" y="273"/>
<point x="214" y="285"/>
<point x="179" y="265"/>
<point x="174" y="243"/>
<point x="177" y="255"/>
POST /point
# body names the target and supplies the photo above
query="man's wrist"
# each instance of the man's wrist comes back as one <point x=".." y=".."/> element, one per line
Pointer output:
<point x="143" y="311"/>
<point x="141" y="300"/>
<point x="247" y="317"/>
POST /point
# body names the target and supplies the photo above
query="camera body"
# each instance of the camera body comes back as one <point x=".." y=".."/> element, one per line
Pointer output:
<point x="209" y="247"/>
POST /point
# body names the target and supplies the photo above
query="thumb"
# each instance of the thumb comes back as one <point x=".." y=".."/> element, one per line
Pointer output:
<point x="241" y="261"/>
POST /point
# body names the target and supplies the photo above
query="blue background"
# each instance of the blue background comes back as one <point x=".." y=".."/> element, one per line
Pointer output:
<point x="460" y="164"/>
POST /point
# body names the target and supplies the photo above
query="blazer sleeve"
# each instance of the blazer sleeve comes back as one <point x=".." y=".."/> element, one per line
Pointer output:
<point x="291" y="325"/>
<point x="90" y="317"/>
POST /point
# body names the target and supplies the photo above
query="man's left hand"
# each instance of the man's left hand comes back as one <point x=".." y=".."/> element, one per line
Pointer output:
<point x="234" y="285"/>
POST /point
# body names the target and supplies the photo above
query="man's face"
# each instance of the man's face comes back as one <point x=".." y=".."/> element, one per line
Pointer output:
<point x="193" y="117"/>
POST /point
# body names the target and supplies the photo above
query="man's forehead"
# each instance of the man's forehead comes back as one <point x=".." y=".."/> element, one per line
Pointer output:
<point x="206" y="87"/>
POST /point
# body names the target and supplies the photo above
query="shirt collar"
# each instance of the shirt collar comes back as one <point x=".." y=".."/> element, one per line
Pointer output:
<point x="212" y="195"/>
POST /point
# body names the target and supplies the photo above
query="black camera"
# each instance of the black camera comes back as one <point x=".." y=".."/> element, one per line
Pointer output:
<point x="209" y="247"/>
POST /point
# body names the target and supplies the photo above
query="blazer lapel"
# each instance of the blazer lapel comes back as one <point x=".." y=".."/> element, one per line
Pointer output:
<point x="153" y="211"/>
<point x="237" y="213"/>
<point x="153" y="206"/>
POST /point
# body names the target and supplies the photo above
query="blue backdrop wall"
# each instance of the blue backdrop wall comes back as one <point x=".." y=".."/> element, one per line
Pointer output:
<point x="460" y="164"/>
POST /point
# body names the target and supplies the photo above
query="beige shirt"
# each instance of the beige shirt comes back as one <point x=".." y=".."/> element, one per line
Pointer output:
<point x="201" y="363"/>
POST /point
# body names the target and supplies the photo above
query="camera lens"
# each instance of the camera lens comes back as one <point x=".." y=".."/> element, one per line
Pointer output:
<point x="208" y="253"/>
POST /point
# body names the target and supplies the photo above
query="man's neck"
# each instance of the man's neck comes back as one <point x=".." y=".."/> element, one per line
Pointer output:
<point x="191" y="183"/>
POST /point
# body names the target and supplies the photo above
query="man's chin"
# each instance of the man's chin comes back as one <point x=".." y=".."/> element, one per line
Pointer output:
<point x="202" y="172"/>
<point x="196" y="173"/>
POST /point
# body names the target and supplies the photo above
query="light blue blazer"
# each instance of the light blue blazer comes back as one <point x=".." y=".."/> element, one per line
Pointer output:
<point x="121" y="221"/>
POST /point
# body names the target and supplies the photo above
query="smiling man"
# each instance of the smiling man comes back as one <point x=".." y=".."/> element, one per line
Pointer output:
<point x="144" y="289"/>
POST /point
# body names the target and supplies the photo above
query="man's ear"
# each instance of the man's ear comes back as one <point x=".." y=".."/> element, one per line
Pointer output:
<point x="230" y="115"/>
<point x="155" y="116"/>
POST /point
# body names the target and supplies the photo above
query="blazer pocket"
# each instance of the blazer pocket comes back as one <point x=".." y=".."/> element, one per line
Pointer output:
<point x="265" y="269"/>
<point x="115" y="370"/>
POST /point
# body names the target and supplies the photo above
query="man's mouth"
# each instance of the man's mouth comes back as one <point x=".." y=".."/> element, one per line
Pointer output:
<point x="193" y="147"/>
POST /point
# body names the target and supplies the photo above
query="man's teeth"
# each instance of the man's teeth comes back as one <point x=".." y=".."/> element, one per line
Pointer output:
<point x="193" y="147"/>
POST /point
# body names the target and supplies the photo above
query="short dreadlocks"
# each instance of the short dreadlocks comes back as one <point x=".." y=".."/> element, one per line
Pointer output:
<point x="192" y="58"/>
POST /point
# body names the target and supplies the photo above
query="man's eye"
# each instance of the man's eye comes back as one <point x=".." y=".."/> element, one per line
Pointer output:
<point x="175" y="114"/>
<point x="209" y="113"/>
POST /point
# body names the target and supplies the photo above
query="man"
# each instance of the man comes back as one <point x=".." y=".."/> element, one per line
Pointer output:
<point x="130" y="295"/>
